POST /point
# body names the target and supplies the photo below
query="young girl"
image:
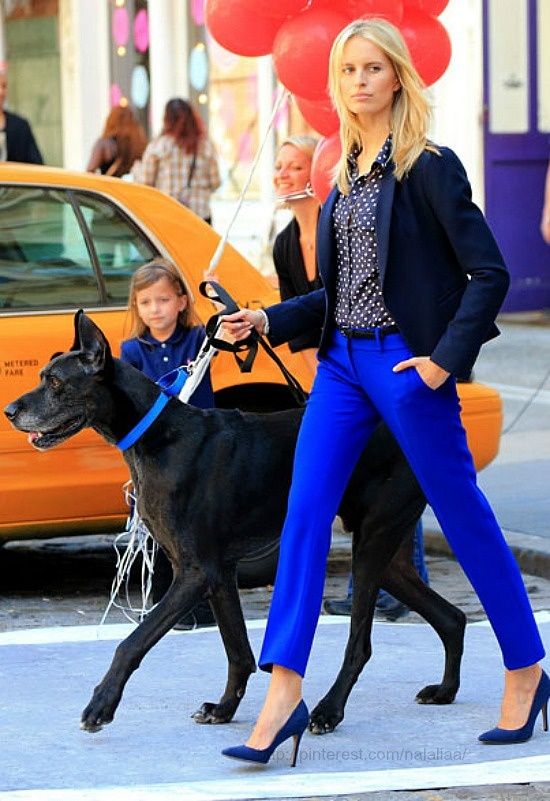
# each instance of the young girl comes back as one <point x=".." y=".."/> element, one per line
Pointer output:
<point x="163" y="332"/>
<point x="164" y="336"/>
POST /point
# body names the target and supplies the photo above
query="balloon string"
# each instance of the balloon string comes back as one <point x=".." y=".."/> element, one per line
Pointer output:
<point x="223" y="241"/>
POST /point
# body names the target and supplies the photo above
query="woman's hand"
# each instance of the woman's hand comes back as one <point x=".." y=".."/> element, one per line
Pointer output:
<point x="431" y="373"/>
<point x="240" y="324"/>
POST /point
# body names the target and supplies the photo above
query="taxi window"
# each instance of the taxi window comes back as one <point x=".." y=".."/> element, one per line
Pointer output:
<point x="44" y="261"/>
<point x="119" y="244"/>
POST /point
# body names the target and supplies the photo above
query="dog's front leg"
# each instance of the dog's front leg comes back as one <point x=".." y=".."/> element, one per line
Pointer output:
<point x="181" y="596"/>
<point x="229" y="615"/>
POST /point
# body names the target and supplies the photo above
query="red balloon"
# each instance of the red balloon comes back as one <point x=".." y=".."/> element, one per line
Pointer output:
<point x="324" y="160"/>
<point x="282" y="8"/>
<point x="433" y="7"/>
<point x="428" y="43"/>
<point x="392" y="10"/>
<point x="320" y="114"/>
<point x="301" y="51"/>
<point x="237" y="26"/>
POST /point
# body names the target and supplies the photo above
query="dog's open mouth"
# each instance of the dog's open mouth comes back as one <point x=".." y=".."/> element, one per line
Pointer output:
<point x="49" y="439"/>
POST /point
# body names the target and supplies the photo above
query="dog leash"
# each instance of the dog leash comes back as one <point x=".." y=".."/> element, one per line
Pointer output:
<point x="250" y="344"/>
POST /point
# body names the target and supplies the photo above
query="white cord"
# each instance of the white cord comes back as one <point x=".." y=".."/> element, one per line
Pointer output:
<point x="135" y="541"/>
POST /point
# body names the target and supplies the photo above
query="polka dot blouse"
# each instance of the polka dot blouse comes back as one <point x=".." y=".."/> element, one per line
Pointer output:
<point x="359" y="301"/>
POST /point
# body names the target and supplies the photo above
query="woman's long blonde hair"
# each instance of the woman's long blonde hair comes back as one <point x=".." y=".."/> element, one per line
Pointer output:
<point x="410" y="110"/>
<point x="149" y="274"/>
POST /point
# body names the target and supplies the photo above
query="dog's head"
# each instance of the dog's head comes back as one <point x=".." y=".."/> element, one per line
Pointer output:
<point x="65" y="401"/>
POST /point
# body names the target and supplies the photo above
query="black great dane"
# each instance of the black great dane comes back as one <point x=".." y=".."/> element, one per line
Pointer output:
<point x="212" y="487"/>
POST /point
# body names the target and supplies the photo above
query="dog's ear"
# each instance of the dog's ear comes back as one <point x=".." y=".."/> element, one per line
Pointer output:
<point x="93" y="345"/>
<point x="76" y="341"/>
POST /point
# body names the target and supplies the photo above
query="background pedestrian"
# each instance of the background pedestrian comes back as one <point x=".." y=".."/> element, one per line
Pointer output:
<point x="182" y="161"/>
<point x="121" y="144"/>
<point x="17" y="142"/>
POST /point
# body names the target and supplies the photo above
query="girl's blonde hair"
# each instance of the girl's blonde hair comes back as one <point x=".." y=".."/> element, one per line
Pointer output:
<point x="410" y="114"/>
<point x="303" y="142"/>
<point x="149" y="274"/>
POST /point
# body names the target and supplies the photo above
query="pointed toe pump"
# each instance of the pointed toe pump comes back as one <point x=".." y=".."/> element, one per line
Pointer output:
<point x="294" y="727"/>
<point x="498" y="736"/>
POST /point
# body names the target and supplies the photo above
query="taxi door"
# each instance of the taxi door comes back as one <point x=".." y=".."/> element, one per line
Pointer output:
<point x="60" y="251"/>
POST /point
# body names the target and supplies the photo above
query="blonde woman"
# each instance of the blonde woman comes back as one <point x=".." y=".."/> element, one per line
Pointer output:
<point x="413" y="281"/>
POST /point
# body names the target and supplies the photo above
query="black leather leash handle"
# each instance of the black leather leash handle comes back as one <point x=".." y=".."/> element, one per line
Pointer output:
<point x="220" y="295"/>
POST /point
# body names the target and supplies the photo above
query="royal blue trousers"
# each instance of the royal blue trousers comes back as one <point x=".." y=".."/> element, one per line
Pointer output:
<point x="354" y="389"/>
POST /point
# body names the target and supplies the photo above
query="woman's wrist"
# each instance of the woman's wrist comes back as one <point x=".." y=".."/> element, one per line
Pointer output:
<point x="262" y="326"/>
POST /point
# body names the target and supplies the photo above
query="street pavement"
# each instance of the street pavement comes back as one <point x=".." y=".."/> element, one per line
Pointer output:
<point x="153" y="750"/>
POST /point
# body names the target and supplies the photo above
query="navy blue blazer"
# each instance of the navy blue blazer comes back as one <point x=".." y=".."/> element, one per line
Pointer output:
<point x="442" y="274"/>
<point x="20" y="141"/>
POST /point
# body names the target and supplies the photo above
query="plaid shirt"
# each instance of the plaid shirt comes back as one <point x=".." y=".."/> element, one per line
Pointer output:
<point x="165" y="165"/>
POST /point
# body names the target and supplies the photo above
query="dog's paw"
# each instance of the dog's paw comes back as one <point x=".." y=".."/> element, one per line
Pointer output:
<point x="436" y="694"/>
<point x="324" y="718"/>
<point x="100" y="711"/>
<point x="213" y="713"/>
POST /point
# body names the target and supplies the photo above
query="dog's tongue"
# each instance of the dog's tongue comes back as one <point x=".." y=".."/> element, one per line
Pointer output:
<point x="33" y="436"/>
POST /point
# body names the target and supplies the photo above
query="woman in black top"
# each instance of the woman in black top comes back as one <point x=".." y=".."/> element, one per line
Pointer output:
<point x="294" y="253"/>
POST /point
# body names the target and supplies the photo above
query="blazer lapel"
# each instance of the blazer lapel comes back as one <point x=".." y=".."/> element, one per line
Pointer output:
<point x="383" y="218"/>
<point x="325" y="239"/>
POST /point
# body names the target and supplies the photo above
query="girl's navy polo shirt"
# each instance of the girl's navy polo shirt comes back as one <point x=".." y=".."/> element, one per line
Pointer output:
<point x="156" y="358"/>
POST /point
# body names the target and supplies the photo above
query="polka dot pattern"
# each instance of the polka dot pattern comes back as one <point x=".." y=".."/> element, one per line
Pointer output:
<point x="359" y="301"/>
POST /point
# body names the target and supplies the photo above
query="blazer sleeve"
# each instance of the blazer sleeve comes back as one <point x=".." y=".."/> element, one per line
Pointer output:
<point x="296" y="316"/>
<point x="449" y="194"/>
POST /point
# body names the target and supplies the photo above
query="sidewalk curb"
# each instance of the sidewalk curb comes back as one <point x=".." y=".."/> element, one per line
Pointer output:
<point x="532" y="553"/>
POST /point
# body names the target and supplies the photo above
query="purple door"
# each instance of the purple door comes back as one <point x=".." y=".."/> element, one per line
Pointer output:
<point x="517" y="141"/>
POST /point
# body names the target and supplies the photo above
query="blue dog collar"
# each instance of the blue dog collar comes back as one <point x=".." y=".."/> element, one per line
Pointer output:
<point x="170" y="384"/>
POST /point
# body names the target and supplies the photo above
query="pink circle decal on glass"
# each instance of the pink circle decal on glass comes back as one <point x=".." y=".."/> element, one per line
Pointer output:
<point x="197" y="11"/>
<point x="141" y="31"/>
<point x="116" y="94"/>
<point x="121" y="26"/>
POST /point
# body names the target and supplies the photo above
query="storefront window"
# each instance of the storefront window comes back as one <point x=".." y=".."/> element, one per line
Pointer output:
<point x="129" y="56"/>
<point x="34" y="76"/>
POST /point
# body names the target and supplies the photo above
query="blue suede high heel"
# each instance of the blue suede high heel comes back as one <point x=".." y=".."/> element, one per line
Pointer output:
<point x="294" y="727"/>
<point x="498" y="736"/>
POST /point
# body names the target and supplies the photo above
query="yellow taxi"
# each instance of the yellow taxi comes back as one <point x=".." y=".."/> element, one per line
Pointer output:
<point x="71" y="240"/>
